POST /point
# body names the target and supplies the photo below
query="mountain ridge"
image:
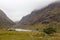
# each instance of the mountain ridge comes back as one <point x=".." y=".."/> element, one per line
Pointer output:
<point x="5" y="22"/>
<point x="48" y="14"/>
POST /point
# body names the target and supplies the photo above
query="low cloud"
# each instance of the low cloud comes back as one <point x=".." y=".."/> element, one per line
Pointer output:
<point x="16" y="9"/>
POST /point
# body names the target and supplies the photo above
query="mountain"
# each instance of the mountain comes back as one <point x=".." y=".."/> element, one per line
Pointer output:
<point x="5" y="22"/>
<point x="49" y="14"/>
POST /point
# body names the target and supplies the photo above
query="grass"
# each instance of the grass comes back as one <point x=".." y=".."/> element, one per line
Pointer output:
<point x="14" y="35"/>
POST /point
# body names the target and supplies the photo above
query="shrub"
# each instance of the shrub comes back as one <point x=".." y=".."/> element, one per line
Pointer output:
<point x="49" y="30"/>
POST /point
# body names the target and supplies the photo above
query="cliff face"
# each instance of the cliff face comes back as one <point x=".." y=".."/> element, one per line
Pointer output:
<point x="49" y="14"/>
<point x="5" y="22"/>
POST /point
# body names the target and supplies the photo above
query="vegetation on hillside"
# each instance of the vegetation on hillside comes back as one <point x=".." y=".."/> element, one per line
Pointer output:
<point x="55" y="25"/>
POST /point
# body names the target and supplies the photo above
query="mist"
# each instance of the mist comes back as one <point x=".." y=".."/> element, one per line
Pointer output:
<point x="16" y="9"/>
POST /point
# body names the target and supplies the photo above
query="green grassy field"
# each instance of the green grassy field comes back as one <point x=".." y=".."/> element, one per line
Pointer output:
<point x="13" y="35"/>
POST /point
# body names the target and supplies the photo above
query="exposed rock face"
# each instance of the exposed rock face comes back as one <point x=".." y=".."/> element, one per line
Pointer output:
<point x="5" y="22"/>
<point x="51" y="13"/>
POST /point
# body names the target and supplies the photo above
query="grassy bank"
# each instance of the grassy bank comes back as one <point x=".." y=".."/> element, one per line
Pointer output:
<point x="13" y="35"/>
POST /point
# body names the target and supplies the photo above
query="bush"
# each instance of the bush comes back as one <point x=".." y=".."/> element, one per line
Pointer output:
<point x="49" y="30"/>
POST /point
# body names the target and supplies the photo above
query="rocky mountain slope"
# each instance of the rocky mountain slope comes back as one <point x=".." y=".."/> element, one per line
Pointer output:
<point x="49" y="14"/>
<point x="5" y="22"/>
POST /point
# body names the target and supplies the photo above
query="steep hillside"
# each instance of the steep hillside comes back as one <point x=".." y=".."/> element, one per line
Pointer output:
<point x="5" y="22"/>
<point x="49" y="14"/>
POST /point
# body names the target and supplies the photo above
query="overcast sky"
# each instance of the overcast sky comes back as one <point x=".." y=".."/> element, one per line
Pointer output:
<point x="16" y="9"/>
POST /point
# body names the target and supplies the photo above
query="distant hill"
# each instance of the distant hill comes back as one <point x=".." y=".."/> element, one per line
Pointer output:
<point x="47" y="15"/>
<point x="5" y="22"/>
